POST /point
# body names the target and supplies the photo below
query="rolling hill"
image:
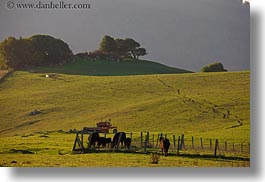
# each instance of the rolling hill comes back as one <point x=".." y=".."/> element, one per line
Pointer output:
<point x="192" y="103"/>
<point x="112" y="68"/>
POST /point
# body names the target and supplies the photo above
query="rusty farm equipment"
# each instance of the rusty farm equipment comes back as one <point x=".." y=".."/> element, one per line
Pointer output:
<point x="102" y="127"/>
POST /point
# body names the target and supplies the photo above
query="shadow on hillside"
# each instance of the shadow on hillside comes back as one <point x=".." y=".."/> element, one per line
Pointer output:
<point x="21" y="125"/>
<point x="109" y="68"/>
<point x="207" y="156"/>
<point x="192" y="156"/>
<point x="114" y="73"/>
<point x="235" y="126"/>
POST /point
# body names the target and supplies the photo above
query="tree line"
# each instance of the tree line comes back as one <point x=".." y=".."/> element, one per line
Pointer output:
<point x="45" y="50"/>
<point x="37" y="50"/>
<point x="116" y="50"/>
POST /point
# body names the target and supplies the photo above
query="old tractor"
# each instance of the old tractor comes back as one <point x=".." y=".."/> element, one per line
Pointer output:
<point x="102" y="127"/>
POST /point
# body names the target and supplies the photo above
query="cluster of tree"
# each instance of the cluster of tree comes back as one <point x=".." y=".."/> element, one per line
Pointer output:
<point x="104" y="56"/>
<point x="122" y="48"/>
<point x="38" y="50"/>
<point x="99" y="55"/>
<point x="214" y="67"/>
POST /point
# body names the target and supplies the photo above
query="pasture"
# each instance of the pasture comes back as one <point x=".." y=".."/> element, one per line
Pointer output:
<point x="208" y="105"/>
<point x="54" y="149"/>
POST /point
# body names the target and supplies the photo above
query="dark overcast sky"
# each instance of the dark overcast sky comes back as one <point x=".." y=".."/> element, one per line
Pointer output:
<point x="181" y="33"/>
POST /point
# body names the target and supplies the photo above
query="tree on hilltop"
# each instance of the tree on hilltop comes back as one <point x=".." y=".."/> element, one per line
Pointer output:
<point x="140" y="52"/>
<point x="38" y="50"/>
<point x="213" y="67"/>
<point x="132" y="46"/>
<point x="108" y="44"/>
<point x="16" y="53"/>
<point x="123" y="48"/>
<point x="52" y="51"/>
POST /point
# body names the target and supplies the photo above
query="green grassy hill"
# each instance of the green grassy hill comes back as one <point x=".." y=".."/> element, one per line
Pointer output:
<point x="112" y="68"/>
<point x="190" y="104"/>
<point x="134" y="103"/>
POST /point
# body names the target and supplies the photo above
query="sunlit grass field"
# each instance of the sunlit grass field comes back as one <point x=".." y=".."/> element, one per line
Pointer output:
<point x="55" y="150"/>
<point x="191" y="104"/>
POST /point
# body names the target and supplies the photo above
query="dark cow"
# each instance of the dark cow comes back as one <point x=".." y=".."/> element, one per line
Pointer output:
<point x="128" y="142"/>
<point x="94" y="139"/>
<point x="103" y="141"/>
<point x="116" y="139"/>
<point x="164" y="145"/>
<point x="108" y="141"/>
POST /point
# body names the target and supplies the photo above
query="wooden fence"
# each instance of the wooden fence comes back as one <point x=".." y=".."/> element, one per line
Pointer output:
<point x="179" y="144"/>
<point x="198" y="145"/>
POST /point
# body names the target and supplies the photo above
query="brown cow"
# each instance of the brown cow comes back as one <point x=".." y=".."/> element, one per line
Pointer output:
<point x="164" y="145"/>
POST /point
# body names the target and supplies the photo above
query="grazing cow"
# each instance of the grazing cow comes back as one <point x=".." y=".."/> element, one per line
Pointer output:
<point x="107" y="141"/>
<point x="128" y="142"/>
<point x="94" y="139"/>
<point x="116" y="139"/>
<point x="103" y="141"/>
<point x="164" y="145"/>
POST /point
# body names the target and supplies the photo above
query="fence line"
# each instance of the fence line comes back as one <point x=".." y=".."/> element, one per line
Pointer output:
<point x="144" y="141"/>
<point x="201" y="145"/>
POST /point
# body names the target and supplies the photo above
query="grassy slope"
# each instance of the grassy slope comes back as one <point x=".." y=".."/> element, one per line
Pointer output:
<point x="134" y="103"/>
<point x="111" y="68"/>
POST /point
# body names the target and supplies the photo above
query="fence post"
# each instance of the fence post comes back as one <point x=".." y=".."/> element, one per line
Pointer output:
<point x="210" y="144"/>
<point x="75" y="141"/>
<point x="78" y="141"/>
<point x="146" y="141"/>
<point x="241" y="147"/>
<point x="174" y="141"/>
<point x="147" y="137"/>
<point x="153" y="140"/>
<point x="182" y="142"/>
<point x="225" y="145"/>
<point x="192" y="141"/>
<point x="201" y="143"/>
<point x="178" y="145"/>
<point x="233" y="146"/>
<point x="216" y="147"/>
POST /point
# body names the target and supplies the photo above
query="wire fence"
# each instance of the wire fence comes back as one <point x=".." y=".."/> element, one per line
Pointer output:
<point x="181" y="144"/>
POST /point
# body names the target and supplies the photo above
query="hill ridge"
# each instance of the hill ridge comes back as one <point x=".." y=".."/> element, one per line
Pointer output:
<point x="82" y="66"/>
